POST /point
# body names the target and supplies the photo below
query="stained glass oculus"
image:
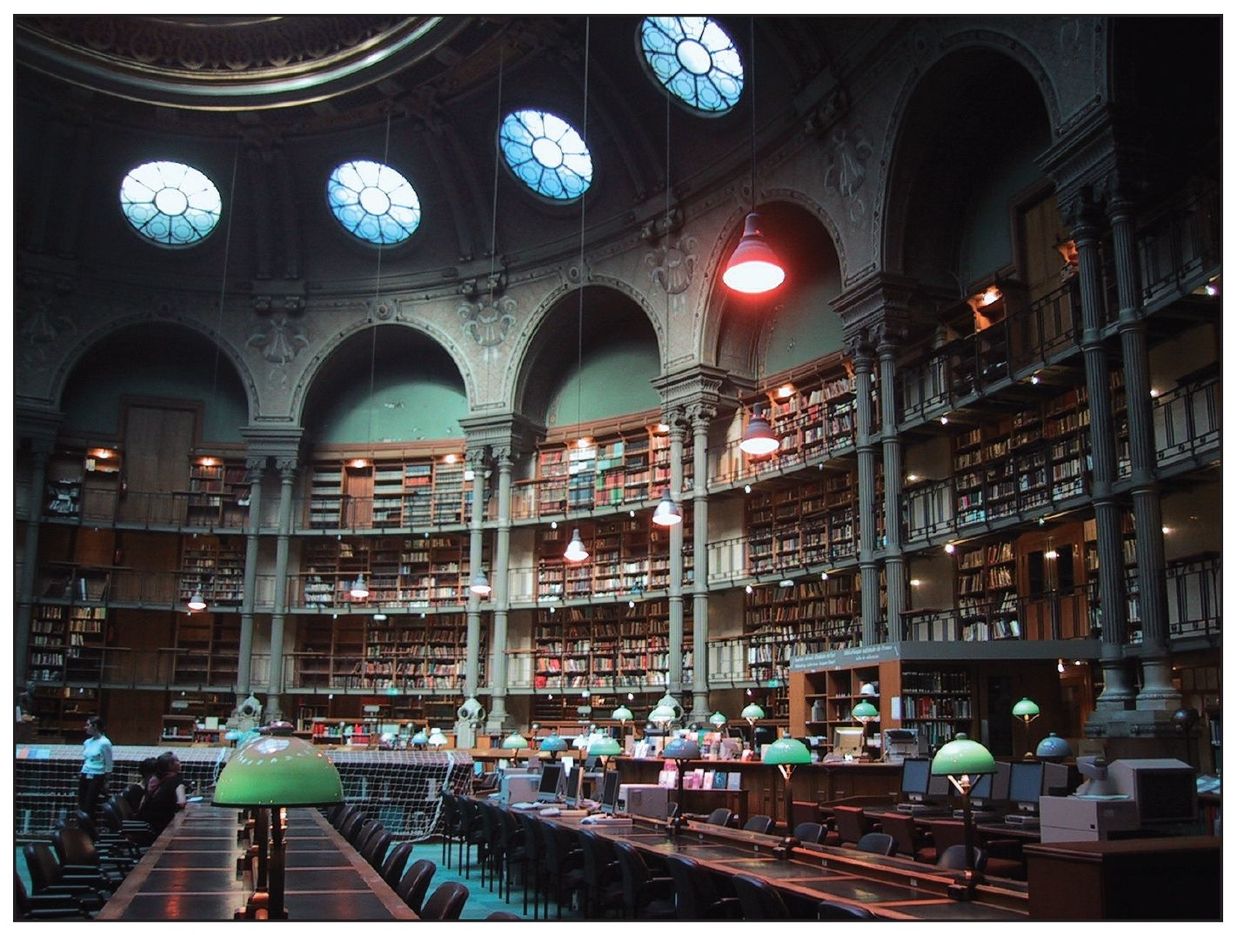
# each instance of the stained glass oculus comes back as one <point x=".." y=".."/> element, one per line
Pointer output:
<point x="694" y="59"/>
<point x="373" y="202"/>
<point x="170" y="203"/>
<point x="546" y="153"/>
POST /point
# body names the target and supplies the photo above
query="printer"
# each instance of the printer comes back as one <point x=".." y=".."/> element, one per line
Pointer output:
<point x="518" y="786"/>
<point x="647" y="799"/>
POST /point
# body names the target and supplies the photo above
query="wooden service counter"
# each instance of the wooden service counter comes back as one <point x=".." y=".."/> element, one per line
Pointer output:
<point x="762" y="791"/>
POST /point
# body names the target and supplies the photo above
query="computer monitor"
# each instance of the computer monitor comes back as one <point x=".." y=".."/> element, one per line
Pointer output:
<point x="914" y="784"/>
<point x="1000" y="788"/>
<point x="939" y="789"/>
<point x="849" y="741"/>
<point x="1164" y="789"/>
<point x="478" y="768"/>
<point x="609" y="792"/>
<point x="591" y="764"/>
<point x="550" y="782"/>
<point x="1054" y="779"/>
<point x="1026" y="780"/>
<point x="574" y="784"/>
<point x="981" y="793"/>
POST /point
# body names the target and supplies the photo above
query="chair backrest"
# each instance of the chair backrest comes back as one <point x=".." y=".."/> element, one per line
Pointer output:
<point x="810" y="832"/>
<point x="133" y="796"/>
<point x="759" y="898"/>
<point x="955" y="858"/>
<point x="721" y="816"/>
<point x="351" y="826"/>
<point x="414" y="884"/>
<point x="394" y="863"/>
<point x="876" y="842"/>
<point x="500" y="916"/>
<point x="445" y="905"/>
<point x="694" y="887"/>
<point x="74" y="846"/>
<point x="634" y="873"/>
<point x="945" y="834"/>
<point x="449" y="812"/>
<point x="903" y="829"/>
<point x="364" y="833"/>
<point x="851" y="823"/>
<point x="829" y="911"/>
<point x="42" y="865"/>
<point x="597" y="855"/>
<point x="347" y="812"/>
<point x="86" y="823"/>
<point x="759" y="823"/>
<point x="376" y="848"/>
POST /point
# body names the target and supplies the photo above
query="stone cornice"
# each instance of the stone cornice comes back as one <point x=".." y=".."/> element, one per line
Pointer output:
<point x="275" y="441"/>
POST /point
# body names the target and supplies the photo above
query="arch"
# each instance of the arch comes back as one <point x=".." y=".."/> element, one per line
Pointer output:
<point x="528" y="337"/>
<point x="372" y="363"/>
<point x="111" y="327"/>
<point x="891" y="226"/>
<point x="791" y="221"/>
<point x="526" y="389"/>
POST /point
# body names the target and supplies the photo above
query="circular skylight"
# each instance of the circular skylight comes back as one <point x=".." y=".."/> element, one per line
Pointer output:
<point x="546" y="153"/>
<point x="170" y="203"/>
<point x="373" y="202"/>
<point x="694" y="59"/>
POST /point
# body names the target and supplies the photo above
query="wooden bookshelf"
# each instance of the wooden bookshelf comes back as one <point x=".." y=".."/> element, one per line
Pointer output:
<point x="428" y="570"/>
<point x="214" y="565"/>
<point x="626" y="556"/>
<point x="936" y="702"/>
<point x="821" y="701"/>
<point x="388" y="493"/>
<point x="801" y="525"/>
<point x="615" y="468"/>
<point x="218" y="492"/>
<point x="810" y="616"/>
<point x="409" y="652"/>
<point x="61" y="712"/>
<point x="206" y="649"/>
<point x="986" y="601"/>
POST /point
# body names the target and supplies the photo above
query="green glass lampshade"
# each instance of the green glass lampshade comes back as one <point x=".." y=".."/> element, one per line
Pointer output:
<point x="682" y="748"/>
<point x="662" y="714"/>
<point x="515" y="741"/>
<point x="278" y="771"/>
<point x="787" y="751"/>
<point x="553" y="743"/>
<point x="1025" y="708"/>
<point x="1053" y="748"/>
<point x="753" y="712"/>
<point x="718" y="720"/>
<point x="622" y="713"/>
<point x="865" y="709"/>
<point x="963" y="756"/>
<point x="604" y="746"/>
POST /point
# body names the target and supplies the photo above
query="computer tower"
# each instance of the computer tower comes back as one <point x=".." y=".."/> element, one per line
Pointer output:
<point x="647" y="799"/>
<point x="518" y="787"/>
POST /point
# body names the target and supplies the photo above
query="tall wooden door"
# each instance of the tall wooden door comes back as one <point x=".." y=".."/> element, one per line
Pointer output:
<point x="1051" y="582"/>
<point x="158" y="443"/>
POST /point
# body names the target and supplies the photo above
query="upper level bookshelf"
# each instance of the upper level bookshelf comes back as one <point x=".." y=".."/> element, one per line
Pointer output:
<point x="801" y="525"/>
<point x="212" y="565"/>
<point x="985" y="591"/>
<point x="626" y="555"/>
<point x="67" y="643"/>
<point x="800" y="618"/>
<point x="219" y="494"/>
<point x="388" y="492"/>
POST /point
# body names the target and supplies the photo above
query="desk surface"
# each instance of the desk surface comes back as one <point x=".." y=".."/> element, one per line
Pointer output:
<point x="189" y="874"/>
<point x="891" y="887"/>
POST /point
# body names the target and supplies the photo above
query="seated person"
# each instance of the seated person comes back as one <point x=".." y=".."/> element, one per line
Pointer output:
<point x="169" y="795"/>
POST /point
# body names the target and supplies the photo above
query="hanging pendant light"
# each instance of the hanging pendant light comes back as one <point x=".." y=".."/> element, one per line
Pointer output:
<point x="480" y="585"/>
<point x="667" y="513"/>
<point x="758" y="438"/>
<point x="754" y="267"/>
<point x="575" y="551"/>
<point x="196" y="601"/>
<point x="358" y="590"/>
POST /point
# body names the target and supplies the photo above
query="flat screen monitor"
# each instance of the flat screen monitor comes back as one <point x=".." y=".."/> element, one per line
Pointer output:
<point x="1055" y="779"/>
<point x="591" y="764"/>
<point x="478" y="768"/>
<point x="1000" y="790"/>
<point x="848" y="741"/>
<point x="914" y="784"/>
<point x="574" y="784"/>
<point x="550" y="782"/>
<point x="1026" y="779"/>
<point x="982" y="790"/>
<point x="761" y="736"/>
<point x="939" y="788"/>
<point x="609" y="792"/>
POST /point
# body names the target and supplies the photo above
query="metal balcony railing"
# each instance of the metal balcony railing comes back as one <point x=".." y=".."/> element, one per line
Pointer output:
<point x="1187" y="420"/>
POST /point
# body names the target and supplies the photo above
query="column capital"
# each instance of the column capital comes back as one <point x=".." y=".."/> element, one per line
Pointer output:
<point x="879" y="299"/>
<point x="510" y="431"/>
<point x="272" y="441"/>
<point x="700" y="415"/>
<point x="287" y="467"/>
<point x="697" y="385"/>
<point x="861" y="348"/>
<point x="478" y="457"/>
<point x="255" y="467"/>
<point x="38" y="427"/>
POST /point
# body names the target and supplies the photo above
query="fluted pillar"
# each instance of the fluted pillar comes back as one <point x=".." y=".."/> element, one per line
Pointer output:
<point x="674" y="419"/>
<point x="498" y="717"/>
<point x="1117" y="691"/>
<point x="255" y="468"/>
<point x="699" y="417"/>
<point x="892" y="478"/>
<point x="286" y="467"/>
<point x="1156" y="692"/>
<point x="865" y="459"/>
<point x="477" y="460"/>
<point x="41" y="451"/>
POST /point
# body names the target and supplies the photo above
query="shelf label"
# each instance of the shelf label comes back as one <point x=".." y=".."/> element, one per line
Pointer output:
<point x="842" y="658"/>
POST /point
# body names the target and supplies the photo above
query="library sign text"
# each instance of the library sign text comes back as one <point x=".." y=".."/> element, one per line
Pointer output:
<point x="842" y="658"/>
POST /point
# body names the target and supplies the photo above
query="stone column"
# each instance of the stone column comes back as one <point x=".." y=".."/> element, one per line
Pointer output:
<point x="1117" y="691"/>
<point x="477" y="459"/>
<point x="1157" y="692"/>
<point x="892" y="472"/>
<point x="41" y="450"/>
<point x="255" y="468"/>
<point x="498" y="717"/>
<point x="699" y="417"/>
<point x="286" y="467"/>
<point x="674" y="418"/>
<point x="865" y="459"/>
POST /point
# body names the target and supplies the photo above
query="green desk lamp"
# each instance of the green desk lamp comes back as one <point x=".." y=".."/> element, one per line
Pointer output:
<point x="604" y="746"/>
<point x="1027" y="711"/>
<point x="786" y="753"/>
<point x="269" y="775"/>
<point x="514" y="742"/>
<point x="553" y="743"/>
<point x="962" y="760"/>
<point x="865" y="712"/>
<point x="751" y="714"/>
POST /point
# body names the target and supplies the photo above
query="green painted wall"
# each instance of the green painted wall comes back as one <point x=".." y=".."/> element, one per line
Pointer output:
<point x="986" y="244"/>
<point x="168" y="362"/>
<point x="804" y="326"/>
<point x="404" y="408"/>
<point x="616" y="381"/>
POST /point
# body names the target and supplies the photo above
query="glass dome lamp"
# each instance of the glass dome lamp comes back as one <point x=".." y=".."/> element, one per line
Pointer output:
<point x="513" y="743"/>
<point x="753" y="713"/>
<point x="758" y="438"/>
<point x="662" y="715"/>
<point x="718" y="720"/>
<point x="1027" y="711"/>
<point x="575" y="550"/>
<point x="786" y="753"/>
<point x="553" y="743"/>
<point x="1053" y="749"/>
<point x="667" y="513"/>
<point x="962" y="760"/>
<point x="865" y="711"/>
<point x="480" y="585"/>
<point x="436" y="738"/>
<point x="753" y="268"/>
<point x="605" y="747"/>
<point x="196" y="602"/>
<point x="622" y="714"/>
<point x="420" y="739"/>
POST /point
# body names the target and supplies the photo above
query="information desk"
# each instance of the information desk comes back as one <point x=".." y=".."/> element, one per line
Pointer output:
<point x="189" y="874"/>
<point x="890" y="887"/>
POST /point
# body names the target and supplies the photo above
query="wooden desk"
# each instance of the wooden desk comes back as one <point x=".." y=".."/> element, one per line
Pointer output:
<point x="893" y="888"/>
<point x="189" y="875"/>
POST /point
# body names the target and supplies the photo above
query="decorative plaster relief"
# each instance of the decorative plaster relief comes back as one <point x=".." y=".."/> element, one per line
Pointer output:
<point x="44" y="330"/>
<point x="847" y="168"/>
<point x="488" y="321"/>
<point x="673" y="267"/>
<point x="279" y="340"/>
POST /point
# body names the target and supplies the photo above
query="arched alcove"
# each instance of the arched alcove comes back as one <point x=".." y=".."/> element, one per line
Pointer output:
<point x="620" y="360"/>
<point x="972" y="131"/>
<point x="158" y="360"/>
<point x="385" y="384"/>
<point x="794" y="324"/>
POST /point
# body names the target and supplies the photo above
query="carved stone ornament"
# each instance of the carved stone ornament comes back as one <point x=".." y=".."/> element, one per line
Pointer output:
<point x="44" y="329"/>
<point x="849" y="152"/>
<point x="488" y="321"/>
<point x="673" y="266"/>
<point x="279" y="340"/>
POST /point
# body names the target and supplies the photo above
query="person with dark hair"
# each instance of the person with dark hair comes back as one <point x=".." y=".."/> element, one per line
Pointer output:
<point x="169" y="796"/>
<point x="96" y="765"/>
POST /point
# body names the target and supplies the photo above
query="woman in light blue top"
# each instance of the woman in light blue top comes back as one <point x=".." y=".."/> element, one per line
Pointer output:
<point x="96" y="765"/>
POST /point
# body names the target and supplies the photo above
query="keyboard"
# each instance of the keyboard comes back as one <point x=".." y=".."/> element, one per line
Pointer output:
<point x="528" y="806"/>
<point x="1023" y="821"/>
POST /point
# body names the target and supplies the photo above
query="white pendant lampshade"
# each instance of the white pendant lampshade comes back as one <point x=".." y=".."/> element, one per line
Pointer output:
<point x="575" y="551"/>
<point x="480" y="585"/>
<point x="668" y="513"/>
<point x="754" y="267"/>
<point x="758" y="437"/>
<point x="358" y="590"/>
<point x="196" y="601"/>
